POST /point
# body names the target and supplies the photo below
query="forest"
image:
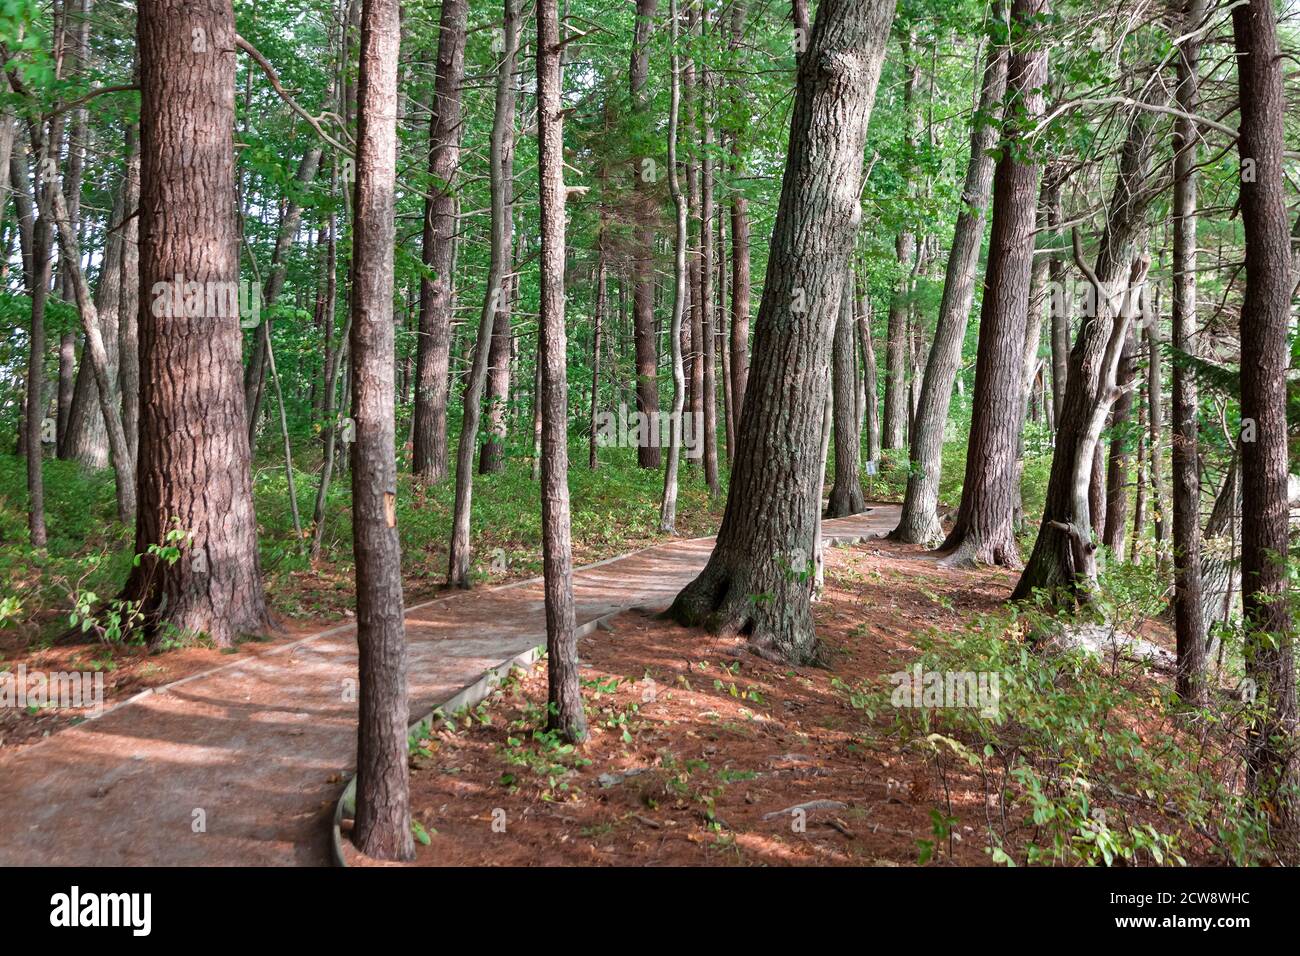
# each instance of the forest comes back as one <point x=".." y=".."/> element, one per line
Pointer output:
<point x="650" y="432"/>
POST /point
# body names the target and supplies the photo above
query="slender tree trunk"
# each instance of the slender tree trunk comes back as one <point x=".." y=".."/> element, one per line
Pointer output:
<point x="870" y="381"/>
<point x="846" y="493"/>
<point x="87" y="441"/>
<point x="494" y="300"/>
<point x="128" y="368"/>
<point x="681" y="205"/>
<point x="437" y="294"/>
<point x="96" y="354"/>
<point x="647" y="353"/>
<point x="602" y="307"/>
<point x="768" y="528"/>
<point x="33" y="422"/>
<point x="919" y="522"/>
<point x="1189" y="611"/>
<point x="1266" y="610"/>
<point x="492" y="456"/>
<point x="708" y="374"/>
<point x="193" y="452"/>
<point x="1117" y="467"/>
<point x="984" y="532"/>
<point x="565" y="695"/>
<point x="67" y="377"/>
<point x="896" y="339"/>
<point x="255" y="373"/>
<point x="382" y="827"/>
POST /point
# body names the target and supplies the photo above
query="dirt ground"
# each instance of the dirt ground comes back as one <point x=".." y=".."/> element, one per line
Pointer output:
<point x="700" y="754"/>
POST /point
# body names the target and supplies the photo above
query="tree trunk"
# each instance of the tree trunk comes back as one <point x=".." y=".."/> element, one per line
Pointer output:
<point x="766" y="537"/>
<point x="1266" y="609"/>
<point x="919" y="523"/>
<point x="255" y="373"/>
<point x="501" y="151"/>
<point x="564" y="692"/>
<point x="984" y="532"/>
<point x="87" y="440"/>
<point x="643" y="319"/>
<point x="1190" y="626"/>
<point x="128" y="368"/>
<point x="382" y="829"/>
<point x="1118" y="464"/>
<point x="1064" y="553"/>
<point x="681" y="206"/>
<point x="870" y="382"/>
<point x="846" y="494"/>
<point x="437" y="299"/>
<point x="708" y="375"/>
<point x="896" y="405"/>
<point x="193" y="452"/>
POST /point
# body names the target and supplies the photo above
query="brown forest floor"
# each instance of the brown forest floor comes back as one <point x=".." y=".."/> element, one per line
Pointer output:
<point x="699" y="750"/>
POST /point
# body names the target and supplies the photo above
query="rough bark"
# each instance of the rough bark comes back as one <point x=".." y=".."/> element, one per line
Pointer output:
<point x="984" y="532"/>
<point x="382" y="827"/>
<point x="437" y="298"/>
<point x="643" y="319"/>
<point x="193" y="452"/>
<point x="757" y="579"/>
<point x="1271" y="743"/>
<point x="1190" y="628"/>
<point x="564" y="692"/>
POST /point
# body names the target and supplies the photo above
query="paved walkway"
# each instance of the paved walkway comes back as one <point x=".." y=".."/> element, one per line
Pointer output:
<point x="256" y="751"/>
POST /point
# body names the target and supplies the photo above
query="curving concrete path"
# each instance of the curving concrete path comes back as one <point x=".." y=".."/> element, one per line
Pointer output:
<point x="241" y="765"/>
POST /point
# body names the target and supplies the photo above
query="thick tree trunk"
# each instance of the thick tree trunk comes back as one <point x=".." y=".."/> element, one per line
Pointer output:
<point x="382" y="827"/>
<point x="193" y="453"/>
<point x="1190" y="626"/>
<point x="919" y="523"/>
<point x="984" y="532"/>
<point x="1064" y="552"/>
<point x="768" y="528"/>
<point x="501" y="151"/>
<point x="564" y="691"/>
<point x="437" y="299"/>
<point x="643" y="319"/>
<point x="846" y="494"/>
<point x="1266" y="610"/>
